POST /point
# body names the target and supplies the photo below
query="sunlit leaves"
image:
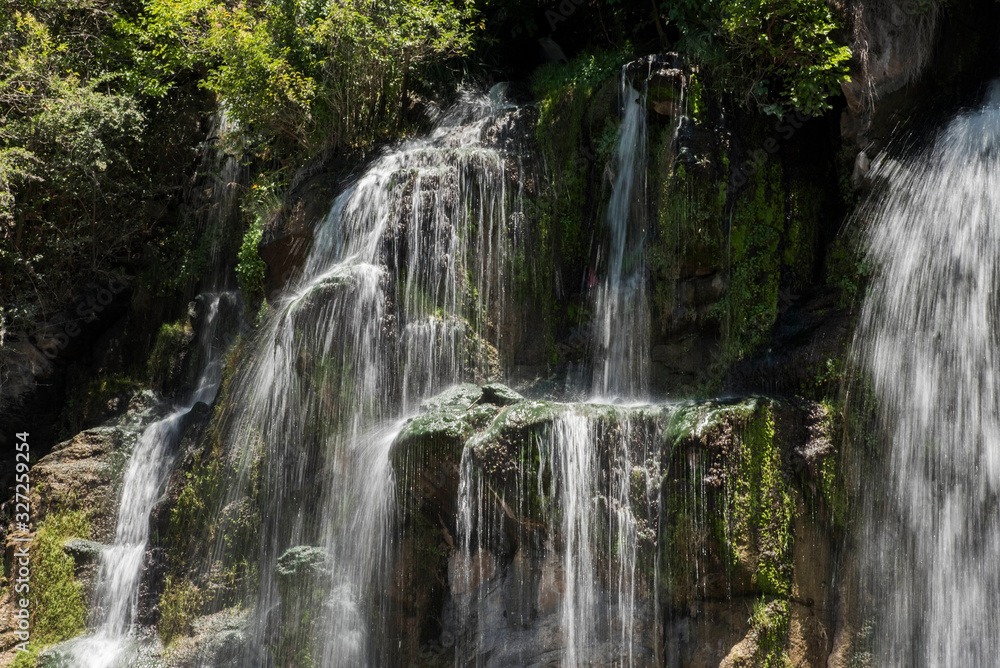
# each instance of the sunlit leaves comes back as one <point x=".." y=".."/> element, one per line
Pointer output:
<point x="778" y="53"/>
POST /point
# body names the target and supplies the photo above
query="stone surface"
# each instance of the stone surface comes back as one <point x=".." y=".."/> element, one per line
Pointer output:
<point x="518" y="576"/>
<point x="217" y="641"/>
<point x="83" y="551"/>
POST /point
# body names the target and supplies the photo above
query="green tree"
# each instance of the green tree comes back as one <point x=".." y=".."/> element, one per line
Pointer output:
<point x="779" y="54"/>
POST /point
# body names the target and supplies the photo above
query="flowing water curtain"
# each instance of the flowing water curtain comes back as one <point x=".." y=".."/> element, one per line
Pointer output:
<point x="402" y="293"/>
<point x="566" y="516"/>
<point x="621" y="308"/>
<point x="927" y="339"/>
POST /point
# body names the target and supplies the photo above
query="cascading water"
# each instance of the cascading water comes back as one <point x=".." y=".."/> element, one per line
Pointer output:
<point x="588" y="477"/>
<point x="401" y="295"/>
<point x="597" y="465"/>
<point x="621" y="321"/>
<point x="143" y="484"/>
<point x="928" y="338"/>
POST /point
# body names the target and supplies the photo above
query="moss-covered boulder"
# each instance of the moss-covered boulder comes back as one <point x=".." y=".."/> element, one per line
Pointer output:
<point x="427" y="452"/>
<point x="744" y="519"/>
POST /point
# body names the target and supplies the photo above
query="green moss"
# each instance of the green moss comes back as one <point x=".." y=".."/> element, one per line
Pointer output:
<point x="800" y="247"/>
<point x="564" y="92"/>
<point x="771" y="621"/>
<point x="750" y="308"/>
<point x="164" y="357"/>
<point x="180" y="602"/>
<point x="202" y="516"/>
<point x="575" y="133"/>
<point x="761" y="506"/>
<point x="59" y="607"/>
<point x="696" y="107"/>
<point x="690" y="204"/>
<point x="727" y="506"/>
<point x="27" y="659"/>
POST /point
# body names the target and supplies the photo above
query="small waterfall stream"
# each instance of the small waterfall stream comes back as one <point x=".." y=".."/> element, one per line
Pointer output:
<point x="621" y="310"/>
<point x="587" y="475"/>
<point x="143" y="484"/>
<point x="928" y="338"/>
<point x="584" y="582"/>
<point x="574" y="463"/>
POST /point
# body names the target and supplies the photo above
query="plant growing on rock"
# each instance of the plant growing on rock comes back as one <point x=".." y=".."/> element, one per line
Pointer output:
<point x="779" y="55"/>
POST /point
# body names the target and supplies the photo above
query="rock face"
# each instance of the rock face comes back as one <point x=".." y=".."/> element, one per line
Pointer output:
<point x="730" y="506"/>
<point x="905" y="53"/>
<point x="216" y="640"/>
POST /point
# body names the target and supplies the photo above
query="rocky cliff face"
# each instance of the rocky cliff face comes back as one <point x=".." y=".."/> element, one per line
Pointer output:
<point x="734" y="509"/>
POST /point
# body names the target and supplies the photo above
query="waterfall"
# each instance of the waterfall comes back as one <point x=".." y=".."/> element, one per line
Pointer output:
<point x="143" y="484"/>
<point x="402" y="294"/>
<point x="928" y="339"/>
<point x="574" y="462"/>
<point x="590" y="605"/>
<point x="621" y="310"/>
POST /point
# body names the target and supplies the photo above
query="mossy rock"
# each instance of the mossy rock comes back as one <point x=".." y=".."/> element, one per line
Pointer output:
<point x="170" y="363"/>
<point x="299" y="569"/>
<point x="83" y="551"/>
<point x="737" y="534"/>
<point x="427" y="452"/>
<point x="500" y="395"/>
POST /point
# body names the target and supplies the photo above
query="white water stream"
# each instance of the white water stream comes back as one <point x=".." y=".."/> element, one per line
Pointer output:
<point x="621" y="318"/>
<point x="929" y="338"/>
<point x="143" y="484"/>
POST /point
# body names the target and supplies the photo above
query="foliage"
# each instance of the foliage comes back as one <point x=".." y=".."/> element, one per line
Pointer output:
<point x="96" y="103"/>
<point x="179" y="603"/>
<point x="59" y="605"/>
<point x="327" y="77"/>
<point x="77" y="144"/>
<point x="263" y="200"/>
<point x="779" y="54"/>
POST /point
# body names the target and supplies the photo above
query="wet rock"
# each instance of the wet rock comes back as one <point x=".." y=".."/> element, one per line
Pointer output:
<point x="219" y="640"/>
<point x="77" y="473"/>
<point x="301" y="564"/>
<point x="725" y="510"/>
<point x="303" y="574"/>
<point x="427" y="451"/>
<point x="808" y="336"/>
<point x="83" y="551"/>
<point x="666" y="77"/>
<point x="500" y="395"/>
<point x="152" y="575"/>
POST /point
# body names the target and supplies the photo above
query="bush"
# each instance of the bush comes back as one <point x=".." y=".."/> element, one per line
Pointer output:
<point x="779" y="54"/>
